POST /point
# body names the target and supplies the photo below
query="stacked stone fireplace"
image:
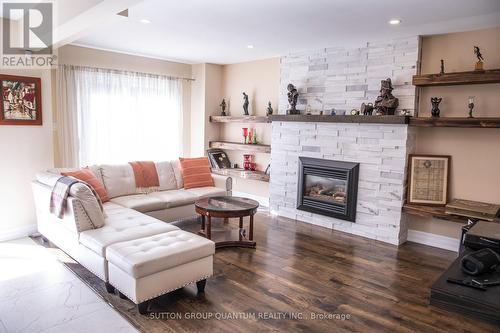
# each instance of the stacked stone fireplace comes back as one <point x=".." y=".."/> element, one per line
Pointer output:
<point x="330" y="78"/>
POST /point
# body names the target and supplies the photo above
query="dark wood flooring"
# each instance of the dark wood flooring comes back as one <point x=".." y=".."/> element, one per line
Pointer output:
<point x="300" y="270"/>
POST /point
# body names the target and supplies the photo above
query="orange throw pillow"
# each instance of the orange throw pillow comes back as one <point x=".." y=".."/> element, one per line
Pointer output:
<point x="88" y="176"/>
<point x="196" y="172"/>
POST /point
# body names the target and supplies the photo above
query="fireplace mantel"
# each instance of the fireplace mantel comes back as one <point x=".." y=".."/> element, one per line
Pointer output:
<point x="343" y="119"/>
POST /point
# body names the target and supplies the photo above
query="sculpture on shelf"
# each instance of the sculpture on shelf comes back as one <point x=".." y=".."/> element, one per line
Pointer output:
<point x="269" y="110"/>
<point x="435" y="106"/>
<point x="471" y="106"/>
<point x="366" y="109"/>
<point x="245" y="104"/>
<point x="386" y="103"/>
<point x="223" y="108"/>
<point x="293" y="96"/>
<point x="442" y="67"/>
<point x="480" y="59"/>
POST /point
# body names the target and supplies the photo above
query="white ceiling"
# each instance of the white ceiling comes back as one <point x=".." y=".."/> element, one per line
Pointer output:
<point x="218" y="31"/>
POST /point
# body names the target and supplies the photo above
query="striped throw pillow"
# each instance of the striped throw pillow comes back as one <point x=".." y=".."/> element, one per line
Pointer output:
<point x="86" y="175"/>
<point x="196" y="172"/>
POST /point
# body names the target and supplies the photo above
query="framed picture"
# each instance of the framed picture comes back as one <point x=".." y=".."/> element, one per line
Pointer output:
<point x="21" y="100"/>
<point x="428" y="178"/>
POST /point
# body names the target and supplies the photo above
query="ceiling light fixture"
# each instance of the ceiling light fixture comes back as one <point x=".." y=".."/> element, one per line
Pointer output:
<point x="394" y="21"/>
<point x="145" y="21"/>
<point x="250" y="46"/>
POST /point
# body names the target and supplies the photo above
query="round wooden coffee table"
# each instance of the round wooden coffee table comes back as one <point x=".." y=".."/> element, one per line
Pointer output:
<point x="227" y="207"/>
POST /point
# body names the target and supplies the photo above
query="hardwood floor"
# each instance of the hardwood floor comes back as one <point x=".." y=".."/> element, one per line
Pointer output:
<point x="300" y="269"/>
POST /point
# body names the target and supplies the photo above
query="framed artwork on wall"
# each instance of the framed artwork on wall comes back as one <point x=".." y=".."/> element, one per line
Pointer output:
<point x="21" y="100"/>
<point x="428" y="178"/>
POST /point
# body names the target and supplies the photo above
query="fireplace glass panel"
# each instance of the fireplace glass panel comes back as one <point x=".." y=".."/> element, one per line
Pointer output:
<point x="326" y="189"/>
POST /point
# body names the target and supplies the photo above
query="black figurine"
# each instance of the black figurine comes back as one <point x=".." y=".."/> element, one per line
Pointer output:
<point x="223" y="108"/>
<point x="435" y="106"/>
<point x="480" y="59"/>
<point x="293" y="95"/>
<point x="245" y="104"/>
<point x="269" y="110"/>
<point x="442" y="67"/>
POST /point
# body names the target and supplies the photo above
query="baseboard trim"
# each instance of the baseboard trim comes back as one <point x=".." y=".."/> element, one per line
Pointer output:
<point x="263" y="201"/>
<point x="426" y="238"/>
<point x="19" y="232"/>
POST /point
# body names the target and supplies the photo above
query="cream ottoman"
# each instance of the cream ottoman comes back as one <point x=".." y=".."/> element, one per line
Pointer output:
<point x="148" y="267"/>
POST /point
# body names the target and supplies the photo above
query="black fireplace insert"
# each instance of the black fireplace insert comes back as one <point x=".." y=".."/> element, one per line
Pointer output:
<point x="328" y="187"/>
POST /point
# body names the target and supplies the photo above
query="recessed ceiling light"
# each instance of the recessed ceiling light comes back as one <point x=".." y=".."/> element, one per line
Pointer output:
<point x="250" y="46"/>
<point x="394" y="21"/>
<point x="145" y="21"/>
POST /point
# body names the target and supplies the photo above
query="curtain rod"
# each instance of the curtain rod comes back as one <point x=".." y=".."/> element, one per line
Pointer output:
<point x="131" y="72"/>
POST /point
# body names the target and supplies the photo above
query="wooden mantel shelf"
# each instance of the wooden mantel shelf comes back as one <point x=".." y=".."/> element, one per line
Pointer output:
<point x="239" y="119"/>
<point x="342" y="119"/>
<point x="253" y="148"/>
<point x="457" y="78"/>
<point x="456" y="122"/>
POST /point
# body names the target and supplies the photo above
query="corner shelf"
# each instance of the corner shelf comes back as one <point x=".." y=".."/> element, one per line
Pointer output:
<point x="252" y="148"/>
<point x="457" y="78"/>
<point x="239" y="119"/>
<point x="456" y="122"/>
<point x="241" y="173"/>
<point x="436" y="212"/>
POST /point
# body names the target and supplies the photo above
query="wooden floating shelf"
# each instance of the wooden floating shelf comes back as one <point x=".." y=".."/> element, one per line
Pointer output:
<point x="457" y="78"/>
<point x="436" y="212"/>
<point x="456" y="122"/>
<point x="239" y="119"/>
<point x="253" y="148"/>
<point x="241" y="173"/>
<point x="343" y="119"/>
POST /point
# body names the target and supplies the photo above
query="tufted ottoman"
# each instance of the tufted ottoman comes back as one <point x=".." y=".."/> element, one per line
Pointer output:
<point x="145" y="268"/>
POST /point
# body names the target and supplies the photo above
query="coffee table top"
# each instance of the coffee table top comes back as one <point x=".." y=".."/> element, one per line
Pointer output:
<point x="227" y="204"/>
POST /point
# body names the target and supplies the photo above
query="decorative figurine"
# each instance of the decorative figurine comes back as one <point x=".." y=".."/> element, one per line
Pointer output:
<point x="435" y="106"/>
<point x="269" y="110"/>
<point x="293" y="95"/>
<point x="480" y="59"/>
<point x="333" y="113"/>
<point x="354" y="112"/>
<point x="366" y="109"/>
<point x="308" y="110"/>
<point x="223" y="108"/>
<point x="245" y="104"/>
<point x="386" y="103"/>
<point x="471" y="106"/>
<point x="442" y="67"/>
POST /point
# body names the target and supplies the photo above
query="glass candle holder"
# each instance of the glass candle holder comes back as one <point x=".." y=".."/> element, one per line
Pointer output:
<point x="245" y="134"/>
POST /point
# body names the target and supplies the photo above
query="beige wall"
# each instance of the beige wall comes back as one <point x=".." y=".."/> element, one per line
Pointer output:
<point x="24" y="151"/>
<point x="81" y="56"/>
<point x="475" y="167"/>
<point x="261" y="81"/>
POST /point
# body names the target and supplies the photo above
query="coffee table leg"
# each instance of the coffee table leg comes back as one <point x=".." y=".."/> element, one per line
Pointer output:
<point x="250" y="236"/>
<point x="203" y="222"/>
<point x="209" y="227"/>
<point x="241" y="229"/>
<point x="226" y="220"/>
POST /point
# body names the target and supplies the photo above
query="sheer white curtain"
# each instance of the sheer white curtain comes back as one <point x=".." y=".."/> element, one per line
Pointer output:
<point x="123" y="116"/>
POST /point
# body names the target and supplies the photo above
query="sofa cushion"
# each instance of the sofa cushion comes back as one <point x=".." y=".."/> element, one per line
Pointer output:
<point x="176" y="166"/>
<point x="175" y="198"/>
<point x="166" y="176"/>
<point x="88" y="176"/>
<point x="122" y="224"/>
<point x="146" y="256"/>
<point x="119" y="180"/>
<point x="208" y="191"/>
<point x="141" y="202"/>
<point x="196" y="172"/>
<point x="89" y="203"/>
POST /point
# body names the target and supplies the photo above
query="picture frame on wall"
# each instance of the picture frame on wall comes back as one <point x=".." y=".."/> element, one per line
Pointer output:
<point x="21" y="100"/>
<point x="428" y="179"/>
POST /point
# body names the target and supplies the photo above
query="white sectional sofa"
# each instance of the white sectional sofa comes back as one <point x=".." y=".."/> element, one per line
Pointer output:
<point x="131" y="247"/>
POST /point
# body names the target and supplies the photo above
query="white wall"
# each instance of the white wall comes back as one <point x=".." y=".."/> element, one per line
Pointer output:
<point x="24" y="150"/>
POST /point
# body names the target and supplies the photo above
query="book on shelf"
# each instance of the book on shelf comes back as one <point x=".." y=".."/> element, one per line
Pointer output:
<point x="475" y="209"/>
